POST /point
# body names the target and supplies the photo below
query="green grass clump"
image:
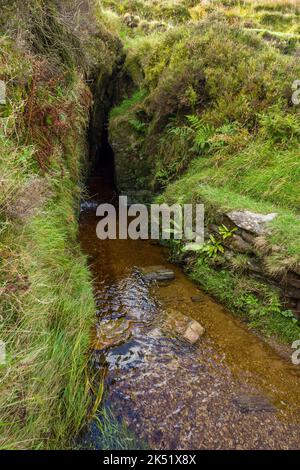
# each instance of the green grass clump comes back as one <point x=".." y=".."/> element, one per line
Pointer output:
<point x="127" y="104"/>
<point x="48" y="347"/>
<point x="46" y="304"/>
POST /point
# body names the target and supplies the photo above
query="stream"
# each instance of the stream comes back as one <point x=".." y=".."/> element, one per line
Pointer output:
<point x="229" y="390"/>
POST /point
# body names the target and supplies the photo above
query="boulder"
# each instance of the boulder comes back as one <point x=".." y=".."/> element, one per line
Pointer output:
<point x="250" y="221"/>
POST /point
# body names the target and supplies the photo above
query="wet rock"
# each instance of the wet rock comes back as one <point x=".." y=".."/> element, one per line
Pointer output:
<point x="182" y="325"/>
<point x="250" y="221"/>
<point x="164" y="284"/>
<point x="157" y="273"/>
<point x="125" y="356"/>
<point x="248" y="404"/>
<point x="193" y="332"/>
<point x="111" y="333"/>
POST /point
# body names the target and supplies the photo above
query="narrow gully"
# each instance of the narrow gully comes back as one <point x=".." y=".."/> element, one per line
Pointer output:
<point x="230" y="390"/>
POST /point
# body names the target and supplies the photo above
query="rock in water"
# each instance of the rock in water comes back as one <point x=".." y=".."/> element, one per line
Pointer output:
<point x="182" y="325"/>
<point x="111" y="333"/>
<point x="157" y="273"/>
<point x="197" y="299"/>
<point x="193" y="332"/>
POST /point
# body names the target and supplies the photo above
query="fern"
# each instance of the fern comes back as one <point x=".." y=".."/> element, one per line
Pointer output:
<point x="183" y="132"/>
<point x="202" y="133"/>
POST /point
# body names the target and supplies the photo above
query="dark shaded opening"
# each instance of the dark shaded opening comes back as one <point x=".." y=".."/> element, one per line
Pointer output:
<point x="104" y="158"/>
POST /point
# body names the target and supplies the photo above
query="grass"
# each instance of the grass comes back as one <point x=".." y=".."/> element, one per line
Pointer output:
<point x="127" y="104"/>
<point x="47" y="305"/>
<point x="48" y="346"/>
<point x="251" y="300"/>
<point x="107" y="433"/>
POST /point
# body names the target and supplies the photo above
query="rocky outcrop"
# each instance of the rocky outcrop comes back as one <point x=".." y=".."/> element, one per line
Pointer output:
<point x="104" y="88"/>
<point x="250" y="221"/>
<point x="249" y="240"/>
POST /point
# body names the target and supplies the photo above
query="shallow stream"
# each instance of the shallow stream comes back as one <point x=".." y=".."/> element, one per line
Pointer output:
<point x="229" y="390"/>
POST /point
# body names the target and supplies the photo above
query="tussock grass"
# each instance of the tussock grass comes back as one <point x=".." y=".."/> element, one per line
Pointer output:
<point x="49" y="342"/>
<point x="46" y="304"/>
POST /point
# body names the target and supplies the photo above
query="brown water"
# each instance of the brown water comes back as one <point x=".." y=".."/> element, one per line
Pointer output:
<point x="172" y="394"/>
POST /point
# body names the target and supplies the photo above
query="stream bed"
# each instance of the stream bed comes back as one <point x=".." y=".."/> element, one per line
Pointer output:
<point x="229" y="390"/>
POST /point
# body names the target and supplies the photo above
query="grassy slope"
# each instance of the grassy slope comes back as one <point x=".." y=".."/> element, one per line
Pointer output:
<point x="239" y="150"/>
<point x="46" y="304"/>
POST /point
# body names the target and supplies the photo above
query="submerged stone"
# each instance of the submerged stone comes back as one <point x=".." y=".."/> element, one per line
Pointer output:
<point x="197" y="299"/>
<point x="248" y="403"/>
<point x="157" y="273"/>
<point x="182" y="325"/>
<point x="125" y="356"/>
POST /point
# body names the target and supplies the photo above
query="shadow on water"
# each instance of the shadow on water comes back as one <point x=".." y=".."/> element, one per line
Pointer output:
<point x="172" y="394"/>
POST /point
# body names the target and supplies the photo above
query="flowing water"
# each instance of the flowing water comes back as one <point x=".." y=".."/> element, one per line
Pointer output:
<point x="172" y="394"/>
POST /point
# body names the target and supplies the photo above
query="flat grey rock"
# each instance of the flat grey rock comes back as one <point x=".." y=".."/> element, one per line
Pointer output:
<point x="250" y="221"/>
